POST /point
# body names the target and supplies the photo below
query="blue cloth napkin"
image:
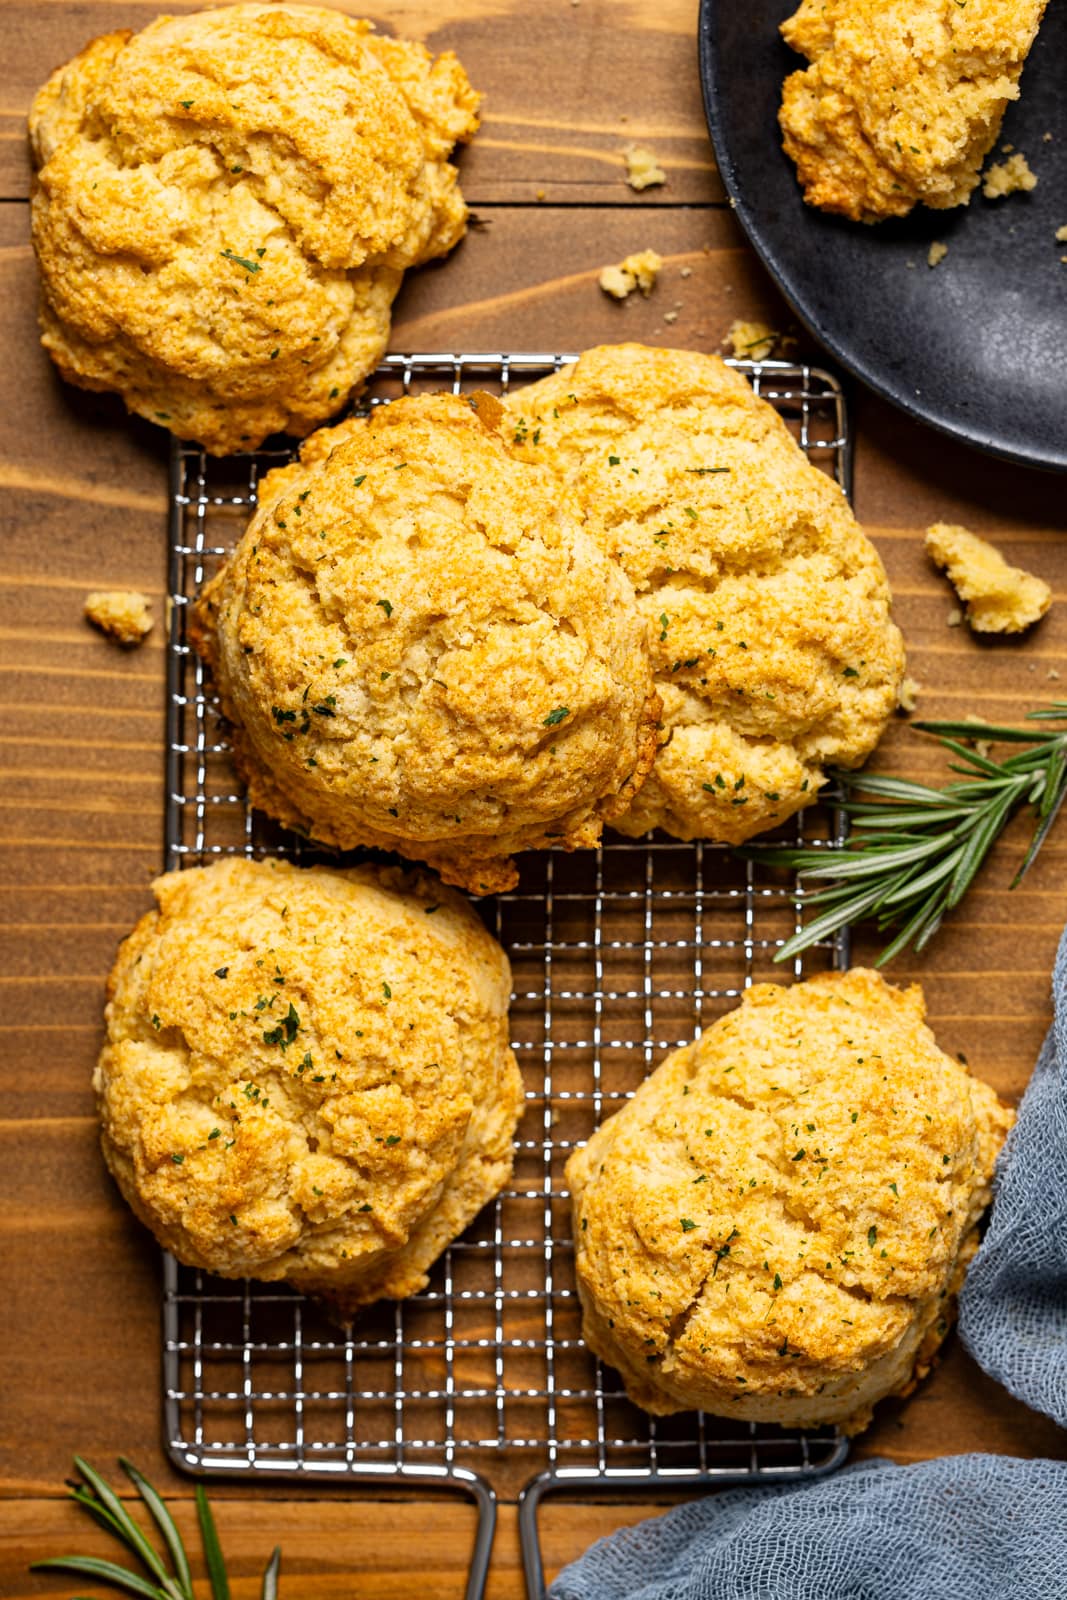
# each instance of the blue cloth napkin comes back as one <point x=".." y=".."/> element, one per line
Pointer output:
<point x="1013" y="1308"/>
<point x="961" y="1528"/>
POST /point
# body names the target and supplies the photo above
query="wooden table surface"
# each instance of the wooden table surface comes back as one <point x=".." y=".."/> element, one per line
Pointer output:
<point x="567" y="84"/>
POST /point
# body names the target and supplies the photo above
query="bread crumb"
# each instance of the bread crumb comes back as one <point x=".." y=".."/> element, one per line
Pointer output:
<point x="670" y="316"/>
<point x="1005" y="177"/>
<point x="982" y="747"/>
<point x="908" y="697"/>
<point x="1046" y="138"/>
<point x="540" y="194"/>
<point x="1052" y="673"/>
<point x="123" y="614"/>
<point x="1061" y="234"/>
<point x="643" y="171"/>
<point x="755" y="341"/>
<point x="999" y="598"/>
<point x="1006" y="149"/>
<point x="936" y="253"/>
<point x="955" y="617"/>
<point x="638" y="271"/>
<point x="685" y="272"/>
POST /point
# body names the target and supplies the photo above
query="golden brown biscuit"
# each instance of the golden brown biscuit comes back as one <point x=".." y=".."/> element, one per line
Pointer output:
<point x="307" y="1074"/>
<point x="768" y="608"/>
<point x="225" y="203"/>
<point x="902" y="102"/>
<point x="773" y="1227"/>
<point x="421" y="650"/>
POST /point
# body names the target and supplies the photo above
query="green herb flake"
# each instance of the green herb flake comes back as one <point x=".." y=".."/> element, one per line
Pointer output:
<point x="687" y="1224"/>
<point x="555" y="717"/>
<point x="240" y="261"/>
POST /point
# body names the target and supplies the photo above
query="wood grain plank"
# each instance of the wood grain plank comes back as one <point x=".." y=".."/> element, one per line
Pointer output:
<point x="617" y="72"/>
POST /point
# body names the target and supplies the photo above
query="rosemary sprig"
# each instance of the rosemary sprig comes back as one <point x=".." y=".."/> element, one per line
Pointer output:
<point x="163" y="1582"/>
<point x="914" y="851"/>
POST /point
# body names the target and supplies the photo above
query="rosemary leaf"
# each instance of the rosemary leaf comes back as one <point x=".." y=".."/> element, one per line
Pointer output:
<point x="127" y="1529"/>
<point x="914" y="850"/>
<point x="216" y="1566"/>
<point x="103" y="1571"/>
<point x="166" y="1525"/>
<point x="270" y="1576"/>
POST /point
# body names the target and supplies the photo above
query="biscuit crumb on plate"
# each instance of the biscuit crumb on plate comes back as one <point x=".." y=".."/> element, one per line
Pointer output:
<point x="936" y="253"/>
<point x="999" y="598"/>
<point x="638" y="271"/>
<point x="643" y="171"/>
<point x="1061" y="234"/>
<point x="121" y="614"/>
<point x="1006" y="177"/>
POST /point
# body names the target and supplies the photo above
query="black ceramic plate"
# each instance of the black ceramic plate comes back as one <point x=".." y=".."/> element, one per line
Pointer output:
<point x="976" y="346"/>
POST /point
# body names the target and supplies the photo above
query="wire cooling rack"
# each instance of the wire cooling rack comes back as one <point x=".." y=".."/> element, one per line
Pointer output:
<point x="482" y="1383"/>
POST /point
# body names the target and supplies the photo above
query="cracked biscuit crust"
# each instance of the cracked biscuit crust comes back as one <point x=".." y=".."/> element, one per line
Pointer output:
<point x="902" y="102"/>
<point x="224" y="206"/>
<point x="307" y="1074"/>
<point x="774" y="1226"/>
<point x="421" y="650"/>
<point x="767" y="606"/>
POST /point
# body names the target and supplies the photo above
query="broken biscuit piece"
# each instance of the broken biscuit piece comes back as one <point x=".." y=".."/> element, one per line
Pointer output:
<point x="643" y="171"/>
<point x="1006" y="177"/>
<point x="638" y="271"/>
<point x="123" y="614"/>
<point x="908" y="698"/>
<point x="751" y="341"/>
<point x="999" y="598"/>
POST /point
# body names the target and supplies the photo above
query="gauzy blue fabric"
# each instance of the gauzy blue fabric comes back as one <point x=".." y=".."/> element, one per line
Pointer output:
<point x="1013" y="1308"/>
<point x="971" y="1527"/>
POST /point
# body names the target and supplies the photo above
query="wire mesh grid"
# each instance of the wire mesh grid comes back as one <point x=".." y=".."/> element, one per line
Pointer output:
<point x="619" y="955"/>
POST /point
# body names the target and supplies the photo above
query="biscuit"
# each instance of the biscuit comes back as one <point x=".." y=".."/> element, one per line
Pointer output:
<point x="774" y="1226"/>
<point x="307" y="1074"/>
<point x="420" y="650"/>
<point x="901" y="103"/>
<point x="225" y="203"/>
<point x="768" y="608"/>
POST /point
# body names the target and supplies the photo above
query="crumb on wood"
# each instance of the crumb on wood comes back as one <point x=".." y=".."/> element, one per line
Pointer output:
<point x="670" y="316"/>
<point x="540" y="194"/>
<point x="643" y="171"/>
<point x="1053" y="674"/>
<point x="685" y="272"/>
<point x="752" y="341"/>
<point x="1006" y="177"/>
<point x="936" y="253"/>
<point x="908" y="696"/>
<point x="124" y="615"/>
<point x="955" y="617"/>
<point x="999" y="598"/>
<point x="982" y="747"/>
<point x="638" y="271"/>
